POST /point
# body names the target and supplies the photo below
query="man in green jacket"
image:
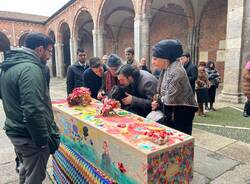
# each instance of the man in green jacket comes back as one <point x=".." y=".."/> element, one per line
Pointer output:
<point x="29" y="117"/>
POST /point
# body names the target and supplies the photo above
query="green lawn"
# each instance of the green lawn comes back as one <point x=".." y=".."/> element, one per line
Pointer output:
<point x="226" y="117"/>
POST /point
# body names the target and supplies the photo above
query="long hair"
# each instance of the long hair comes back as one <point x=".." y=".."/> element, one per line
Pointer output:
<point x="209" y="63"/>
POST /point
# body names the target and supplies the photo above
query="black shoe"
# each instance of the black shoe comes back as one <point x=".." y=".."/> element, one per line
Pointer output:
<point x="245" y="114"/>
<point x="212" y="109"/>
<point x="17" y="166"/>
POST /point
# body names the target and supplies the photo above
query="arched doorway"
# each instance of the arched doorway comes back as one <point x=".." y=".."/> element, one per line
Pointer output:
<point x="21" y="39"/>
<point x="212" y="37"/>
<point x="52" y="36"/>
<point x="4" y="45"/>
<point x="83" y="30"/>
<point x="117" y="17"/>
<point x="65" y="40"/>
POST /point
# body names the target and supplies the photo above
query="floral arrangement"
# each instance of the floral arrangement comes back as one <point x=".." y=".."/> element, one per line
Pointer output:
<point x="79" y="96"/>
<point x="108" y="106"/>
<point x="157" y="137"/>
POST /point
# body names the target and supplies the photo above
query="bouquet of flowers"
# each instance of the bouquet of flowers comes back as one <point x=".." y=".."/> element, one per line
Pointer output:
<point x="108" y="106"/>
<point x="79" y="96"/>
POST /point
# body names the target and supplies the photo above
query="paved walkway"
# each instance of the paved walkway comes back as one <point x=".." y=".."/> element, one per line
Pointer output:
<point x="217" y="159"/>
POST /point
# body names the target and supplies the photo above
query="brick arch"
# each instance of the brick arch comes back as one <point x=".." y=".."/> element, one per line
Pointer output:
<point x="79" y="11"/>
<point x="99" y="20"/>
<point x="51" y="31"/>
<point x="185" y="4"/>
<point x="81" y="33"/>
<point x="61" y="23"/>
<point x="107" y="19"/>
<point x="65" y="40"/>
<point x="4" y="42"/>
<point x="21" y="37"/>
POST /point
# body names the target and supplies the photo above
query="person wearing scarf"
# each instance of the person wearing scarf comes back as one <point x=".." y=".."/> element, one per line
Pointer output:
<point x="175" y="94"/>
<point x="214" y="78"/>
<point x="110" y="77"/>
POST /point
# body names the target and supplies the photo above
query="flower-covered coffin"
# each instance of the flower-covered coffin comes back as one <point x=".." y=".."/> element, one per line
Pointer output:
<point x="119" y="148"/>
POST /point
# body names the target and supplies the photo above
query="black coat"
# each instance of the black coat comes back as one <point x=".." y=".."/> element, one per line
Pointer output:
<point x="75" y="76"/>
<point x="192" y="73"/>
<point x="92" y="81"/>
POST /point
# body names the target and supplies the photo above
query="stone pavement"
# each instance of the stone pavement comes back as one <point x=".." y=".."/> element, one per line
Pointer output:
<point x="217" y="159"/>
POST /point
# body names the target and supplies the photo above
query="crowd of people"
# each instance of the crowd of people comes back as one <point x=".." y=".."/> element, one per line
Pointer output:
<point x="170" y="91"/>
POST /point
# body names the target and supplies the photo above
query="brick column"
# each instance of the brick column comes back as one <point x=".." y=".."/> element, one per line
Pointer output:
<point x="234" y="51"/>
<point x="59" y="60"/>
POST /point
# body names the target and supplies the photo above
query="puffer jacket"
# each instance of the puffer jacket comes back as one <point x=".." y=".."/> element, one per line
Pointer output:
<point x="25" y="97"/>
<point x="246" y="82"/>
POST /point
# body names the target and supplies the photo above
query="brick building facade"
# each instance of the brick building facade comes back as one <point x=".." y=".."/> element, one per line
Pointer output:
<point x="209" y="29"/>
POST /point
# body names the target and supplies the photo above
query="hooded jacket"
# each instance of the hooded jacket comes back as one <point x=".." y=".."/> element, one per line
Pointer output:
<point x="25" y="97"/>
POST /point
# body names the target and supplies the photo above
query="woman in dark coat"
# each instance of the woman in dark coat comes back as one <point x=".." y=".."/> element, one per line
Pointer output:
<point x="175" y="94"/>
<point x="214" y="78"/>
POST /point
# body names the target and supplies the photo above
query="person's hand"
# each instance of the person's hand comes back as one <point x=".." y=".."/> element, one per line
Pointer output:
<point x="154" y="105"/>
<point x="127" y="100"/>
<point x="100" y="95"/>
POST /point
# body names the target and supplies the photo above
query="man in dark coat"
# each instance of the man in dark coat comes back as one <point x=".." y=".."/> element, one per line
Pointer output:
<point x="29" y="120"/>
<point x="75" y="72"/>
<point x="191" y="69"/>
<point x="93" y="76"/>
<point x="143" y="85"/>
<point x="130" y="57"/>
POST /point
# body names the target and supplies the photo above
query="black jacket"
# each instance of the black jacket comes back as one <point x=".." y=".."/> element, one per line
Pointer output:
<point x="192" y="73"/>
<point x="144" y="88"/>
<point x="75" y="76"/>
<point x="92" y="81"/>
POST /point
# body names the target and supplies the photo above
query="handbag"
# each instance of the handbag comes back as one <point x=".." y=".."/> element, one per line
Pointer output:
<point x="157" y="116"/>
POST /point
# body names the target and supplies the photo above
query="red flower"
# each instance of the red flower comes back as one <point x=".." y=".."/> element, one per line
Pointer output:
<point x="121" y="167"/>
<point x="108" y="106"/>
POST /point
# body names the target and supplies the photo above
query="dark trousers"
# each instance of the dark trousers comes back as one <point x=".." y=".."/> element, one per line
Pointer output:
<point x="180" y="118"/>
<point x="247" y="107"/>
<point x="212" y="94"/>
<point x="34" y="160"/>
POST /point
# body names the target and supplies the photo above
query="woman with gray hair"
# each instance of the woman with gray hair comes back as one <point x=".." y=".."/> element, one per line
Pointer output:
<point x="175" y="95"/>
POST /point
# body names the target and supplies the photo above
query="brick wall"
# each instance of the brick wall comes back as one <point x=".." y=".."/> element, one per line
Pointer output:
<point x="169" y="25"/>
<point x="6" y="27"/>
<point x="213" y="31"/>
